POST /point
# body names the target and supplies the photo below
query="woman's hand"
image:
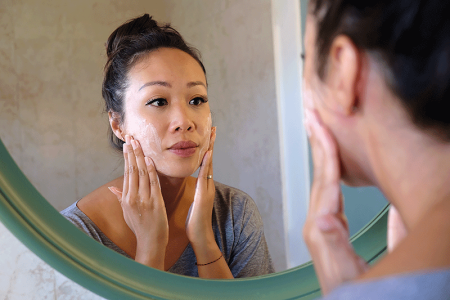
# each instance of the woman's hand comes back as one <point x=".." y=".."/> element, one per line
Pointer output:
<point x="143" y="206"/>
<point x="326" y="229"/>
<point x="210" y="261"/>
<point x="198" y="224"/>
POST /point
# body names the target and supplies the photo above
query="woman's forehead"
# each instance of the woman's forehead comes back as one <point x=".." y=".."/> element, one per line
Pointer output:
<point x="172" y="64"/>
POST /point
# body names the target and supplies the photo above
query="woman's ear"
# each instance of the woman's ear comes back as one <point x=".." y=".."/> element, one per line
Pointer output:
<point x="114" y="122"/>
<point x="343" y="73"/>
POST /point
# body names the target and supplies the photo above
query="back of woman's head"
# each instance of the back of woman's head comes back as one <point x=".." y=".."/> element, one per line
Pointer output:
<point x="411" y="38"/>
<point x="124" y="48"/>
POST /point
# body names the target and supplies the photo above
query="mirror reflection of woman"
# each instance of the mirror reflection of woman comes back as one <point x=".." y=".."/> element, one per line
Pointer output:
<point x="377" y="92"/>
<point x="155" y="91"/>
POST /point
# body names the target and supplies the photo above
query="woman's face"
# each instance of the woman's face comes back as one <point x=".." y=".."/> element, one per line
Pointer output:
<point x="317" y="95"/>
<point x="167" y="111"/>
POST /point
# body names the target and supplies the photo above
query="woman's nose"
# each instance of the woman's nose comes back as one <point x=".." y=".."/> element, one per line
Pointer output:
<point x="180" y="120"/>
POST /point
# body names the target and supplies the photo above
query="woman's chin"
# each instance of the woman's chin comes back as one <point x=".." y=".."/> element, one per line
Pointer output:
<point x="177" y="172"/>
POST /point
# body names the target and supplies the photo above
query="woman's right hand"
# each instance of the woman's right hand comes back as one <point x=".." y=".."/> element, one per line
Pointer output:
<point x="326" y="230"/>
<point x="143" y="205"/>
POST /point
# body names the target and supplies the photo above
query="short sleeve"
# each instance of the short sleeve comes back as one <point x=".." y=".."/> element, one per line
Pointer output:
<point x="80" y="220"/>
<point x="250" y="255"/>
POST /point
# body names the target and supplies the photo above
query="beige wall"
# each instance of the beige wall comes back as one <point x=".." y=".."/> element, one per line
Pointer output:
<point x="235" y="39"/>
<point x="52" y="56"/>
<point x="51" y="60"/>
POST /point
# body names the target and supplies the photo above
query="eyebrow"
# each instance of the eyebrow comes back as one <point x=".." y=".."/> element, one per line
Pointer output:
<point x="195" y="83"/>
<point x="166" y="84"/>
<point x="161" y="83"/>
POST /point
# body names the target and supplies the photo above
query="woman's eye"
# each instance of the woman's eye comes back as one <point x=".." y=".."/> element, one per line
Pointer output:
<point x="198" y="101"/>
<point x="157" y="102"/>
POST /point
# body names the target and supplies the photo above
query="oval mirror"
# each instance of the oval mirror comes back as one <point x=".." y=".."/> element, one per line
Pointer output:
<point x="49" y="235"/>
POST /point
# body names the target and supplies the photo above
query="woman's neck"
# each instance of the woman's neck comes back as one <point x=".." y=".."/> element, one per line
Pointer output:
<point x="173" y="192"/>
<point x="413" y="171"/>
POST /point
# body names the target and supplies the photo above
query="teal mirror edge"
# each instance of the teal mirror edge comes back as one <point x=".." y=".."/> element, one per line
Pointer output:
<point x="55" y="240"/>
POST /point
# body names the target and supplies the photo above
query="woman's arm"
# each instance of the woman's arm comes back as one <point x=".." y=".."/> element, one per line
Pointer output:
<point x="210" y="261"/>
<point x="326" y="230"/>
<point x="143" y="205"/>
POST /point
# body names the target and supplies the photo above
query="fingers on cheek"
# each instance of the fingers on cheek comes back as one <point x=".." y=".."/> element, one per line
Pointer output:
<point x="205" y="159"/>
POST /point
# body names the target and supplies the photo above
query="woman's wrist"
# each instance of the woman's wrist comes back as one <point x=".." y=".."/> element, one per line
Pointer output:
<point x="152" y="256"/>
<point x="203" y="241"/>
<point x="211" y="262"/>
<point x="206" y="250"/>
<point x="206" y="255"/>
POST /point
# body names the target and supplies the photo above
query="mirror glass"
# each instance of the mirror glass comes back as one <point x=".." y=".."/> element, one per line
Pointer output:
<point x="51" y="110"/>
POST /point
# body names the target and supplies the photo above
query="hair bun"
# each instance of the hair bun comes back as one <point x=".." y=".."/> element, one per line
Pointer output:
<point x="138" y="26"/>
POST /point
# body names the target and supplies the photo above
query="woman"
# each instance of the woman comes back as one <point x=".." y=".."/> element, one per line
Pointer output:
<point x="377" y="86"/>
<point x="155" y="91"/>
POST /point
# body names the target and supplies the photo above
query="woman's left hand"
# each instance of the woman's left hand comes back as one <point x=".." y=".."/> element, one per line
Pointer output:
<point x="199" y="231"/>
<point x="199" y="221"/>
<point x="326" y="230"/>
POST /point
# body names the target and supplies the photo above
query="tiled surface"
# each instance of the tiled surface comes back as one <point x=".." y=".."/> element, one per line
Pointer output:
<point x="24" y="276"/>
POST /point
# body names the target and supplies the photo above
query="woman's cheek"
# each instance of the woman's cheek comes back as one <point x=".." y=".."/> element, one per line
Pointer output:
<point x="151" y="143"/>
<point x="206" y="138"/>
<point x="148" y="137"/>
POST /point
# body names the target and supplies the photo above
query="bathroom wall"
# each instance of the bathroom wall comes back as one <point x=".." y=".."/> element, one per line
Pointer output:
<point x="52" y="57"/>
<point x="51" y="61"/>
<point x="235" y="39"/>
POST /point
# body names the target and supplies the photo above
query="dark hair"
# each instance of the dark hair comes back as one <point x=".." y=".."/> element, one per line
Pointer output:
<point x="411" y="37"/>
<point x="125" y="46"/>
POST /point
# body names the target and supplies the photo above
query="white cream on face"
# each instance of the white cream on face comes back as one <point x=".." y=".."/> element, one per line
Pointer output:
<point x="207" y="138"/>
<point x="147" y="135"/>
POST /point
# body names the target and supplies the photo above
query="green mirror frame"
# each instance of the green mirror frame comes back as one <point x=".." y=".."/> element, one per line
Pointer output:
<point x="40" y="227"/>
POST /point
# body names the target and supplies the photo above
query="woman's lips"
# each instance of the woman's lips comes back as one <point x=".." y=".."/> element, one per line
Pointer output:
<point x="184" y="148"/>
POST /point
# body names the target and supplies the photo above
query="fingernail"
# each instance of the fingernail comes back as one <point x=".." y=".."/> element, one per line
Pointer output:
<point x="111" y="189"/>
<point x="134" y="144"/>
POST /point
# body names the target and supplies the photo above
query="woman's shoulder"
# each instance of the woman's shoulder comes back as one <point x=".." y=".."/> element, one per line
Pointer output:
<point x="425" y="247"/>
<point x="101" y="202"/>
<point x="233" y="201"/>
<point x="431" y="284"/>
<point x="103" y="209"/>
<point x="230" y="196"/>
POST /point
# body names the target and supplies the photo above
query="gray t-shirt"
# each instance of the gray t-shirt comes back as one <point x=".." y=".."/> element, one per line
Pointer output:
<point x="416" y="286"/>
<point x="238" y="230"/>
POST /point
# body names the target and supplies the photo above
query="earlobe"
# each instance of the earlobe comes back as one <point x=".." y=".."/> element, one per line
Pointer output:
<point x="114" y="122"/>
<point x="343" y="73"/>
